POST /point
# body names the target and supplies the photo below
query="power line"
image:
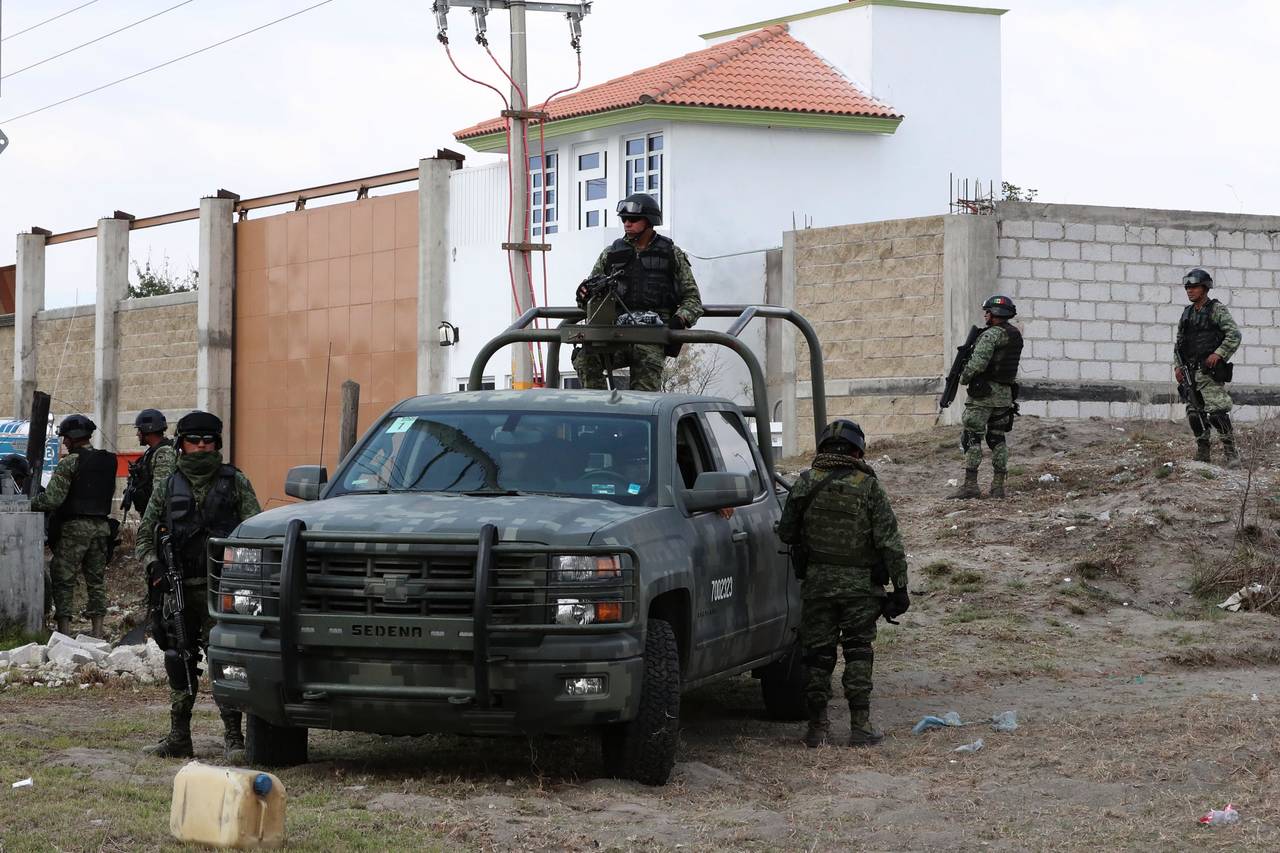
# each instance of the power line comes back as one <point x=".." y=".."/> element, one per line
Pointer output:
<point x="48" y="20"/>
<point x="168" y="62"/>
<point x="94" y="41"/>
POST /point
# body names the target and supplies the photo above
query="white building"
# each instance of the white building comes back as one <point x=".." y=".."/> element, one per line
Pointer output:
<point x="848" y="113"/>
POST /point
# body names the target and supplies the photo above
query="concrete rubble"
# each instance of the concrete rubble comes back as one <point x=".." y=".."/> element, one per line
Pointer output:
<point x="66" y="660"/>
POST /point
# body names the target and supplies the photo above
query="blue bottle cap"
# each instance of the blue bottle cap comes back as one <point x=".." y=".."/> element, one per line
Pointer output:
<point x="262" y="784"/>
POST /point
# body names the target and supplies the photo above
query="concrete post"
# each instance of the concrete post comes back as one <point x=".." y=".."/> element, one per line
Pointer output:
<point x="787" y="349"/>
<point x="113" y="287"/>
<point x="433" y="271"/>
<point x="28" y="302"/>
<point x="774" y="330"/>
<point x="22" y="569"/>
<point x="968" y="277"/>
<point x="214" y="311"/>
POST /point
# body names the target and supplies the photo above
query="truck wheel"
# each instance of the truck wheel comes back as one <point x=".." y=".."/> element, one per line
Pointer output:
<point x="644" y="749"/>
<point x="267" y="745"/>
<point x="782" y="686"/>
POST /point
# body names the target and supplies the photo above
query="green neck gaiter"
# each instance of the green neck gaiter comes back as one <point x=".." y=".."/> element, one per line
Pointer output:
<point x="200" y="469"/>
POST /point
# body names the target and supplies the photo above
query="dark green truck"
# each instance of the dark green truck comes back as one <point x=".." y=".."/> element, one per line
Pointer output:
<point x="516" y="562"/>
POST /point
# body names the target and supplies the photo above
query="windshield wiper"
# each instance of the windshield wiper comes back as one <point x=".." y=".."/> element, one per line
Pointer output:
<point x="493" y="493"/>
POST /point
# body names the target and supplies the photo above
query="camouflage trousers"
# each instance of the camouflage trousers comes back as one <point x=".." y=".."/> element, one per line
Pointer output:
<point x="847" y="620"/>
<point x="646" y="363"/>
<point x="1216" y="398"/>
<point x="989" y="423"/>
<point x="198" y="623"/>
<point x="81" y="549"/>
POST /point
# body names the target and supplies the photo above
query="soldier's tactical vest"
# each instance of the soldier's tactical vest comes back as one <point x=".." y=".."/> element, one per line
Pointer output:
<point x="192" y="525"/>
<point x="1200" y="335"/>
<point x="142" y="476"/>
<point x="835" y="524"/>
<point x="650" y="273"/>
<point x="94" y="485"/>
<point x="1003" y="367"/>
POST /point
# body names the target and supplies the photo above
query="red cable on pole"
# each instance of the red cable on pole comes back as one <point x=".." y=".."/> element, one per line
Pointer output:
<point x="542" y="161"/>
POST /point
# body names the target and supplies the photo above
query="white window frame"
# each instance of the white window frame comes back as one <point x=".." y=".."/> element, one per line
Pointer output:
<point x="486" y="383"/>
<point x="642" y="166"/>
<point x="537" y="192"/>
<point x="582" y="178"/>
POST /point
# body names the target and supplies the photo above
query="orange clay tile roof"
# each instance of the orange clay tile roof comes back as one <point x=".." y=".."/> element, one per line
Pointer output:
<point x="765" y="69"/>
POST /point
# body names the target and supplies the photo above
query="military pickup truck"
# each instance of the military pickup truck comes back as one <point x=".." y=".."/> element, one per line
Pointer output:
<point x="518" y="562"/>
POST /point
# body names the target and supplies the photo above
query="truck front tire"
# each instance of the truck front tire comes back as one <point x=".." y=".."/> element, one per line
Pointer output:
<point x="644" y="749"/>
<point x="267" y="745"/>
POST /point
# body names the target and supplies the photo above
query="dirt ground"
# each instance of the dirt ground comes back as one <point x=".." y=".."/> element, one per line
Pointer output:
<point x="1084" y="602"/>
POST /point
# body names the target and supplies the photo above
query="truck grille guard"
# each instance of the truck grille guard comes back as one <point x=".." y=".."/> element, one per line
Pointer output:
<point x="496" y="589"/>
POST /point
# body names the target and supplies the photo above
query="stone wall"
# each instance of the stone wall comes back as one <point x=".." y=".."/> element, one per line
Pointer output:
<point x="1099" y="292"/>
<point x="874" y="293"/>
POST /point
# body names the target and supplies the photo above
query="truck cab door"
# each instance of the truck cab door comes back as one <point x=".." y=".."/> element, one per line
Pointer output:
<point x="763" y="591"/>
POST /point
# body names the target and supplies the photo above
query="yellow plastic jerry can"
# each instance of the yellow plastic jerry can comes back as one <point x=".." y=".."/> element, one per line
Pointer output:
<point x="227" y="807"/>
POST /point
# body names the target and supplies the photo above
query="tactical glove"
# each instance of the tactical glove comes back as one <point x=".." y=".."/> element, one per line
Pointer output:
<point x="583" y="293"/>
<point x="155" y="573"/>
<point x="676" y="322"/>
<point x="895" y="604"/>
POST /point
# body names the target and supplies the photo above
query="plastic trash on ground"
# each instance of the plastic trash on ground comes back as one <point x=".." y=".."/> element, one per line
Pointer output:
<point x="1005" y="721"/>
<point x="1221" y="817"/>
<point x="970" y="747"/>
<point x="23" y="783"/>
<point x="1047" y="478"/>
<point x="1237" y="599"/>
<point x="929" y="723"/>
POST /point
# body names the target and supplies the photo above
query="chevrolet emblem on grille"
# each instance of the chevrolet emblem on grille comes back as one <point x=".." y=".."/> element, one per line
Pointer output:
<point x="393" y="589"/>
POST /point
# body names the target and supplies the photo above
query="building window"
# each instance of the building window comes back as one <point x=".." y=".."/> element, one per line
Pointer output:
<point x="544" y="204"/>
<point x="486" y="384"/>
<point x="571" y="382"/>
<point x="644" y="165"/>
<point x="593" y="186"/>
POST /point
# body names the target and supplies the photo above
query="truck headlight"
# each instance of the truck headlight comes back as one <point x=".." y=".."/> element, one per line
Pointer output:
<point x="585" y="567"/>
<point x="242" y="562"/>
<point x="571" y="611"/>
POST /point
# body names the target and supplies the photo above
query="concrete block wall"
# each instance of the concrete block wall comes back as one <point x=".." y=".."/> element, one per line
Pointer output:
<point x="1099" y="296"/>
<point x="6" y="364"/>
<point x="157" y="359"/>
<point x="874" y="293"/>
<point x="64" y="344"/>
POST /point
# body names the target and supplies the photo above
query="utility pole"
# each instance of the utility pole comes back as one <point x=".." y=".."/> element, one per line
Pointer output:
<point x="518" y="115"/>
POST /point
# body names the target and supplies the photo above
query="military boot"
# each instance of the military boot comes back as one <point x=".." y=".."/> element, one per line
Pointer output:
<point x="95" y="628"/>
<point x="232" y="737"/>
<point x="861" y="732"/>
<point x="176" y="744"/>
<point x="819" y="732"/>
<point x="997" y="485"/>
<point x="969" y="488"/>
<point x="1202" y="450"/>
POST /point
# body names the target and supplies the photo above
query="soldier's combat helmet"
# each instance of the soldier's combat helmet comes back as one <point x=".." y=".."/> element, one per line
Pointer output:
<point x="17" y="466"/>
<point x="641" y="204"/>
<point x="1197" y="278"/>
<point x="150" y="420"/>
<point x="200" y="423"/>
<point x="1000" y="306"/>
<point x="76" y="426"/>
<point x="843" y="430"/>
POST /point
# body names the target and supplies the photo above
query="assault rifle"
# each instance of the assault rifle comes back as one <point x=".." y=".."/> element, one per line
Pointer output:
<point x="172" y="611"/>
<point x="1189" y="394"/>
<point x="963" y="354"/>
<point x="130" y="487"/>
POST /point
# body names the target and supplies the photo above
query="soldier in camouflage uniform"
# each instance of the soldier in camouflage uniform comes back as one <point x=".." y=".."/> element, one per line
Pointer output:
<point x="656" y="276"/>
<point x="79" y="498"/>
<point x="989" y="407"/>
<point x="839" y="514"/>
<point x="156" y="463"/>
<point x="1207" y="338"/>
<point x="203" y="498"/>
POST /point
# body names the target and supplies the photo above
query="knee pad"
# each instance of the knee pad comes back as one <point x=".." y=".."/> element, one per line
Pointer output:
<point x="995" y="439"/>
<point x="1221" y="421"/>
<point x="822" y="659"/>
<point x="173" y="668"/>
<point x="858" y="651"/>
<point x="1198" y="423"/>
<point x="969" y="438"/>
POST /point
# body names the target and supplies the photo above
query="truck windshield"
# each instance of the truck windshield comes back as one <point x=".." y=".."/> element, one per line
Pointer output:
<point x="574" y="454"/>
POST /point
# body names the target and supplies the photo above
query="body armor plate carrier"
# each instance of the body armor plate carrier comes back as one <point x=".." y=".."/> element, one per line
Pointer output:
<point x="192" y="525"/>
<point x="94" y="485"/>
<point x="1200" y="335"/>
<point x="650" y="273"/>
<point x="1003" y="367"/>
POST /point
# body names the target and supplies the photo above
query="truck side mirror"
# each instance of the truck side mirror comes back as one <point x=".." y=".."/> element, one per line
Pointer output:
<point x="719" y="490"/>
<point x="305" y="481"/>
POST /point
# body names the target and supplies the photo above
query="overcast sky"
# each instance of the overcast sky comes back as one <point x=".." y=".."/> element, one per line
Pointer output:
<point x="1147" y="103"/>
